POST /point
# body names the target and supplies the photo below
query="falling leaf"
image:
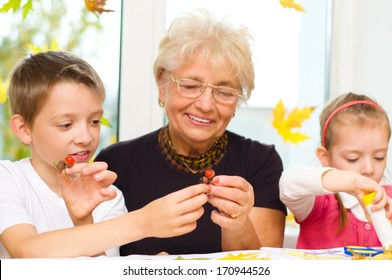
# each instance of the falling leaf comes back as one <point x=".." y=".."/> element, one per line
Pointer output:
<point x="3" y="90"/>
<point x="294" y="120"/>
<point x="96" y="6"/>
<point x="291" y="4"/>
<point x="36" y="49"/>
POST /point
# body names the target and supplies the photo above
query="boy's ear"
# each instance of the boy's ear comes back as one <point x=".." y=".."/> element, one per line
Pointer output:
<point x="323" y="156"/>
<point x="20" y="128"/>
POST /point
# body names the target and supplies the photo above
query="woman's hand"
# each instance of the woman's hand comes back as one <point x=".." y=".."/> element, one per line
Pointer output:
<point x="174" y="214"/>
<point x="234" y="198"/>
<point x="83" y="187"/>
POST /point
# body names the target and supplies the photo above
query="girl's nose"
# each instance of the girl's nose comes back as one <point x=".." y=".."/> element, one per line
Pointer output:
<point x="367" y="168"/>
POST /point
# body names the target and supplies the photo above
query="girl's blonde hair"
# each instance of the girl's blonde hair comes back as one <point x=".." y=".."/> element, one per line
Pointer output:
<point x="355" y="114"/>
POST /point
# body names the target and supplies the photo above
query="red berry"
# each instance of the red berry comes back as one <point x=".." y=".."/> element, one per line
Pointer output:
<point x="69" y="160"/>
<point x="210" y="173"/>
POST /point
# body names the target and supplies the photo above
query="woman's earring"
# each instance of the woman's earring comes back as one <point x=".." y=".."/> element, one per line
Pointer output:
<point x="233" y="115"/>
<point x="161" y="104"/>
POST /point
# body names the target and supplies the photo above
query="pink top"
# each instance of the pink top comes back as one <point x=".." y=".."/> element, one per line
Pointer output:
<point x="319" y="229"/>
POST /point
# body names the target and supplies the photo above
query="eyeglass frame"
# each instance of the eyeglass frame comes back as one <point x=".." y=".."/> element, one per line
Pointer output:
<point x="203" y="89"/>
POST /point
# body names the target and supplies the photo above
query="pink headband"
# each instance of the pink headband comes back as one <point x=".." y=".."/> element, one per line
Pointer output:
<point x="341" y="108"/>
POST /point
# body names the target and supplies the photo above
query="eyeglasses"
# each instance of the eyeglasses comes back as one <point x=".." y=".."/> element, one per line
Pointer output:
<point x="193" y="89"/>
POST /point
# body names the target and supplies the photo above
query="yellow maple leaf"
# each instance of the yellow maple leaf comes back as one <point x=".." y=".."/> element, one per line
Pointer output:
<point x="291" y="4"/>
<point x="36" y="49"/>
<point x="294" y="120"/>
<point x="3" y="90"/>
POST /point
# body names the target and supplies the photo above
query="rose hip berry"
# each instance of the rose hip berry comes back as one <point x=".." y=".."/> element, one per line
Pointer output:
<point x="210" y="174"/>
<point x="207" y="178"/>
<point x="69" y="160"/>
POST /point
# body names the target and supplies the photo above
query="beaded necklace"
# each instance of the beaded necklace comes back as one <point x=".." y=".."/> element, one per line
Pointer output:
<point x="192" y="164"/>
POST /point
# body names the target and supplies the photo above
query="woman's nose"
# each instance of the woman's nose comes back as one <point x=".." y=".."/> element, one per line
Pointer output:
<point x="206" y="100"/>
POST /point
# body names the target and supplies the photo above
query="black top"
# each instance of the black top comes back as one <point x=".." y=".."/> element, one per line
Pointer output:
<point x="145" y="175"/>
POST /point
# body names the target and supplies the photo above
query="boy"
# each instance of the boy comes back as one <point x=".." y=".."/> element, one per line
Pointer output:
<point x="56" y="101"/>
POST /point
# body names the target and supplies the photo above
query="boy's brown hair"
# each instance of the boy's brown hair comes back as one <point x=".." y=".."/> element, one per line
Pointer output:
<point x="35" y="75"/>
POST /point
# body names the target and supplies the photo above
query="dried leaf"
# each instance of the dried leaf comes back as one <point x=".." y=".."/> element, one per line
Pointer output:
<point x="294" y="119"/>
<point x="291" y="4"/>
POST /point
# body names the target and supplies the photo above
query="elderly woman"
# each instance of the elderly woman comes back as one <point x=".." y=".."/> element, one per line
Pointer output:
<point x="204" y="71"/>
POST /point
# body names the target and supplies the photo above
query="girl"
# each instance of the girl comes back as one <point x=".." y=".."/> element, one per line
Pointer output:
<point x="326" y="201"/>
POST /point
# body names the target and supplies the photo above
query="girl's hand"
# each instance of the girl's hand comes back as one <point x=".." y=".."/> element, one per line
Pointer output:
<point x="363" y="186"/>
<point x="84" y="186"/>
<point x="176" y="213"/>
<point x="380" y="201"/>
<point x="351" y="182"/>
<point x="234" y="198"/>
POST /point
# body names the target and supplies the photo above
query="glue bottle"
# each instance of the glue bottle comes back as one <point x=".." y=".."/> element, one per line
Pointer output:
<point x="380" y="222"/>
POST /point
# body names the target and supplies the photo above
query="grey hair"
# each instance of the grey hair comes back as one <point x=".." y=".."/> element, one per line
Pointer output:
<point x="220" y="42"/>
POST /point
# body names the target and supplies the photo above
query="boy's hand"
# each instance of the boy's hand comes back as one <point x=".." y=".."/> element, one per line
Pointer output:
<point x="83" y="187"/>
<point x="174" y="214"/>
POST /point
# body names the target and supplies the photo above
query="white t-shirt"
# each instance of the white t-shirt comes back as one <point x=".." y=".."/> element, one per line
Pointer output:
<point x="26" y="199"/>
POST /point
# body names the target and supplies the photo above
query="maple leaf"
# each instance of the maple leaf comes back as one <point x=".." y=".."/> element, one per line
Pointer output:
<point x="291" y="4"/>
<point x="294" y="120"/>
